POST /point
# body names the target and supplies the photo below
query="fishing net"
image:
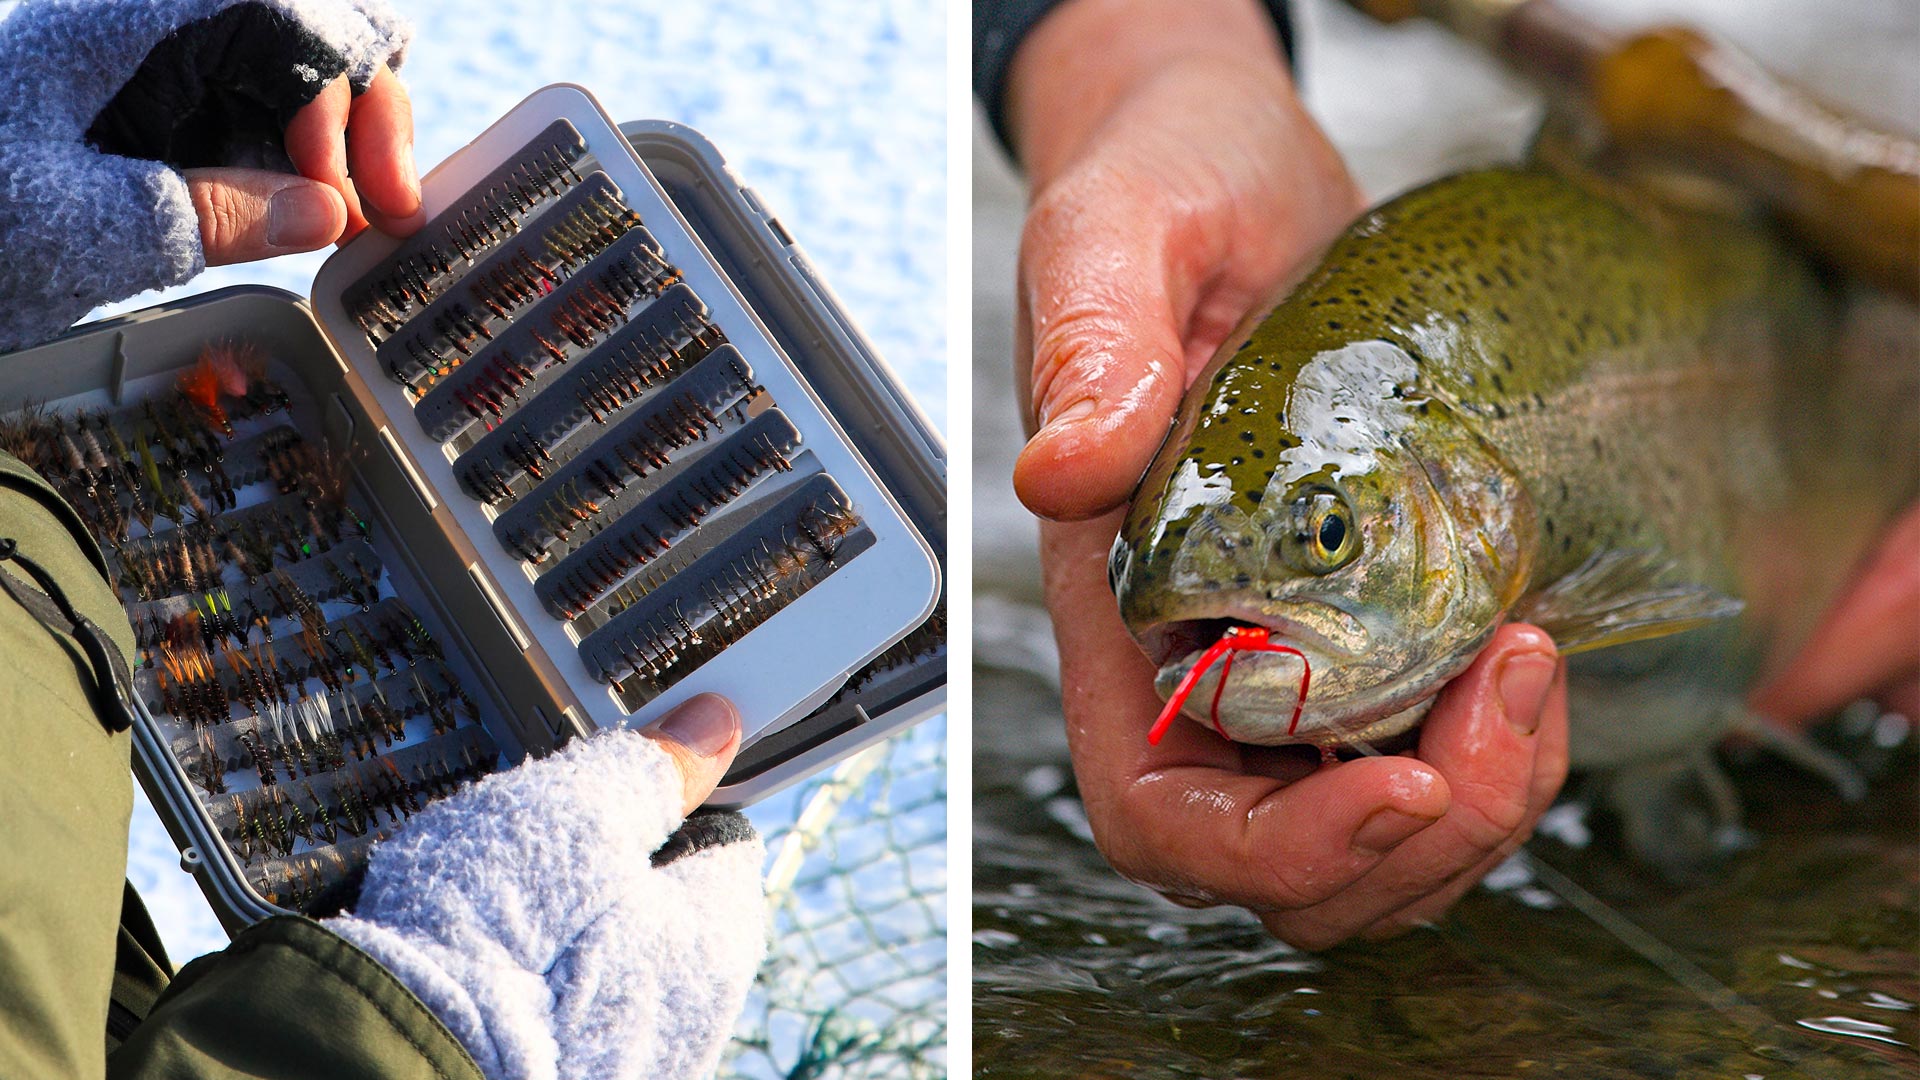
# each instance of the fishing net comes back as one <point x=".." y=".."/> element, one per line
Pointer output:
<point x="855" y="985"/>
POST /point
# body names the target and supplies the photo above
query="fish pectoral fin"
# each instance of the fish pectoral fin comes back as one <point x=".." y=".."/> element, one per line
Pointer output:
<point x="1616" y="597"/>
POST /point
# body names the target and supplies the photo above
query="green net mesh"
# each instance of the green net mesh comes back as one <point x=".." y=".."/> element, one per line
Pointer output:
<point x="855" y="984"/>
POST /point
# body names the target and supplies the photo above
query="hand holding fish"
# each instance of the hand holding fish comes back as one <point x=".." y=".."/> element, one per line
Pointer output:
<point x="1368" y="847"/>
<point x="1176" y="178"/>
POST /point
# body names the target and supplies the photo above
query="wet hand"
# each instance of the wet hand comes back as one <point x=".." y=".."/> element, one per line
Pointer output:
<point x="1176" y="180"/>
<point x="355" y="162"/>
<point x="1368" y="847"/>
<point x="1867" y="644"/>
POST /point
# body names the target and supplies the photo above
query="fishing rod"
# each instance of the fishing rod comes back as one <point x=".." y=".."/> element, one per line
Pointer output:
<point x="1847" y="190"/>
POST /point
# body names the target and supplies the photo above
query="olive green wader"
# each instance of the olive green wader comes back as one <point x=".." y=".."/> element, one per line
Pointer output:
<point x="85" y="987"/>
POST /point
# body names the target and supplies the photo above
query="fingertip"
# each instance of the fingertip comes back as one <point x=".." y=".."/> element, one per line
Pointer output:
<point x="1413" y="787"/>
<point x="380" y="152"/>
<point x="247" y="214"/>
<point x="1374" y="803"/>
<point x="1069" y="473"/>
<point x="404" y="226"/>
<point x="703" y="735"/>
<point x="305" y="215"/>
<point x="1524" y="637"/>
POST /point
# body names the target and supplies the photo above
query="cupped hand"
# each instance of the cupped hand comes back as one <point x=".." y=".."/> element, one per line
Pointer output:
<point x="1321" y="854"/>
<point x="355" y="162"/>
<point x="1176" y="181"/>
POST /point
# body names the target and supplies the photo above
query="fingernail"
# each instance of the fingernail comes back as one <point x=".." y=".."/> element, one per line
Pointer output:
<point x="1524" y="680"/>
<point x="1387" y="829"/>
<point x="300" y="216"/>
<point x="1079" y="410"/>
<point x="704" y="724"/>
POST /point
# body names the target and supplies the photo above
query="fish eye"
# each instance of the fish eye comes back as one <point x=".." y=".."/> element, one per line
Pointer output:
<point x="1333" y="532"/>
<point x="1324" y="538"/>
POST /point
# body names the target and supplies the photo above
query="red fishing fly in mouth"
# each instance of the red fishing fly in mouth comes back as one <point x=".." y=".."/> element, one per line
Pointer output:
<point x="1236" y="639"/>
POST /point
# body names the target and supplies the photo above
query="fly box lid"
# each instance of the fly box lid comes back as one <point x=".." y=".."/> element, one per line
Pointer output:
<point x="595" y="440"/>
<point x="509" y="345"/>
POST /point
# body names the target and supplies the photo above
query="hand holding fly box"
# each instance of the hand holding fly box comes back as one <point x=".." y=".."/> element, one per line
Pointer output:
<point x="548" y="466"/>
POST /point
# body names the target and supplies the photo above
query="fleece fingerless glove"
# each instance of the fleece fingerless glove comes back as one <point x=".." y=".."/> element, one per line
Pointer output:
<point x="548" y="920"/>
<point x="103" y="101"/>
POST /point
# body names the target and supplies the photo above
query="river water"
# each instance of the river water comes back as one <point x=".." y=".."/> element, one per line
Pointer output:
<point x="1801" y="957"/>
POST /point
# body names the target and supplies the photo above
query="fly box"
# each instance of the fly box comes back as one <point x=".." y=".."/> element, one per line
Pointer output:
<point x="595" y="440"/>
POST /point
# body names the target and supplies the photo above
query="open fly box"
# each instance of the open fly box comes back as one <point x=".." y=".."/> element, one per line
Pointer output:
<point x="595" y="440"/>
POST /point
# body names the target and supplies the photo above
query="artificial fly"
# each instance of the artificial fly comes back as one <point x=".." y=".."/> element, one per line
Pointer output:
<point x="201" y="385"/>
<point x="1237" y="639"/>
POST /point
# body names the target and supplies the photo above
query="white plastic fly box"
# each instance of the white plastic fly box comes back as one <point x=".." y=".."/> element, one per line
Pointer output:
<point x="595" y="440"/>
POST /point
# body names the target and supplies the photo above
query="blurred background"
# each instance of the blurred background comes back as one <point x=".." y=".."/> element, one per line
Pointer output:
<point x="835" y="113"/>
<point x="1078" y="971"/>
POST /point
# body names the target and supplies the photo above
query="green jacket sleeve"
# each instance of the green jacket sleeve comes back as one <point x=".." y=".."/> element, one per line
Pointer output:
<point x="80" y="967"/>
<point x="65" y="800"/>
<point x="289" y="1000"/>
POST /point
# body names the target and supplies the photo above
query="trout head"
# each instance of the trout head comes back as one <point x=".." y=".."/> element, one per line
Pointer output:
<point x="1324" y="497"/>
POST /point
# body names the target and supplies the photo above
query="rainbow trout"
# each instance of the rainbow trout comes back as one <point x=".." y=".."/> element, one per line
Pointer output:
<point x="1508" y="395"/>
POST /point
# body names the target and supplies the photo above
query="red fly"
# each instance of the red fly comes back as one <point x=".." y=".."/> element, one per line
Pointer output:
<point x="1237" y="639"/>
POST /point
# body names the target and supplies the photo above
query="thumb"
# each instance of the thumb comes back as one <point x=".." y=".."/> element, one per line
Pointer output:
<point x="1107" y="362"/>
<point x="248" y="214"/>
<point x="702" y="734"/>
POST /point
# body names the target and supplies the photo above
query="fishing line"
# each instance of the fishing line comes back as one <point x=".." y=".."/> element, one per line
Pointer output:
<point x="1721" y="998"/>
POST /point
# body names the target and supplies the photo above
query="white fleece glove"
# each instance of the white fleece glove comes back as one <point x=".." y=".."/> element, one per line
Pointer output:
<point x="528" y="913"/>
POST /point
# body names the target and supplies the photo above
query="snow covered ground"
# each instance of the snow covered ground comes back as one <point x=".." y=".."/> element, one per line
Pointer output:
<point x="833" y="111"/>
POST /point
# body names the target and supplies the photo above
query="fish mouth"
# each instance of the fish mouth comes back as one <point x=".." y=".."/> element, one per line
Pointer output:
<point x="1344" y="697"/>
<point x="1166" y="642"/>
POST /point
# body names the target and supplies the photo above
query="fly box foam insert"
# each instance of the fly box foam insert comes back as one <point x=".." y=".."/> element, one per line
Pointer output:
<point x="539" y="469"/>
<point x="595" y="343"/>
